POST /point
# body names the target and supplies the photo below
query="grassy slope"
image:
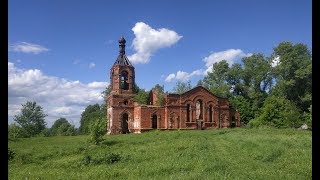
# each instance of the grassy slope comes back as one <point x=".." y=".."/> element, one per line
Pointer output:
<point x="209" y="154"/>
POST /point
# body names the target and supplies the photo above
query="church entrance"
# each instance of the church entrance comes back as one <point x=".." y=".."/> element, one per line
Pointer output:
<point x="124" y="123"/>
<point x="154" y="121"/>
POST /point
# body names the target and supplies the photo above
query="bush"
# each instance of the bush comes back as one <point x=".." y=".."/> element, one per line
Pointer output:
<point x="112" y="158"/>
<point x="97" y="130"/>
<point x="307" y="117"/>
<point x="11" y="154"/>
<point x="15" y="131"/>
<point x="277" y="112"/>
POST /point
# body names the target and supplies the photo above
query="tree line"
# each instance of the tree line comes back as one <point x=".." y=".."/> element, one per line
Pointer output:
<point x="268" y="91"/>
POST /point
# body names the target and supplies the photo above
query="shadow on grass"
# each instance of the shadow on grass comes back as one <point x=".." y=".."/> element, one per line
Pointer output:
<point x="109" y="143"/>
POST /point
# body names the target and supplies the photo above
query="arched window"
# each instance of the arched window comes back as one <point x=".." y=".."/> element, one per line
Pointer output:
<point x="154" y="122"/>
<point x="124" y="123"/>
<point x="188" y="112"/>
<point x="124" y="80"/>
<point x="210" y="113"/>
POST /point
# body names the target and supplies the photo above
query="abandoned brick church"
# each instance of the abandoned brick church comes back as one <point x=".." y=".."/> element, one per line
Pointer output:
<point x="197" y="108"/>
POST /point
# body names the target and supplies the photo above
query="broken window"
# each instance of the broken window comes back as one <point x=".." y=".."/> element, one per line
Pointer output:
<point x="124" y="80"/>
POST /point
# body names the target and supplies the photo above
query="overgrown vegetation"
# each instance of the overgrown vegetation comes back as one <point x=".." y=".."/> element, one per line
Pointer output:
<point x="97" y="130"/>
<point x="239" y="153"/>
<point x="284" y="78"/>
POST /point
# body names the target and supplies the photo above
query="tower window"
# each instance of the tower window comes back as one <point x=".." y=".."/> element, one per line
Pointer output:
<point x="124" y="80"/>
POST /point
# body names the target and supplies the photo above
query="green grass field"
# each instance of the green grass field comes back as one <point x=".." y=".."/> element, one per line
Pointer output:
<point x="185" y="154"/>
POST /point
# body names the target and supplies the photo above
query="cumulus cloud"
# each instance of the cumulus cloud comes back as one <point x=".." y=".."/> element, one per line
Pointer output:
<point x="230" y="55"/>
<point x="58" y="96"/>
<point x="92" y="65"/>
<point x="182" y="76"/>
<point x="25" y="47"/>
<point x="148" y="40"/>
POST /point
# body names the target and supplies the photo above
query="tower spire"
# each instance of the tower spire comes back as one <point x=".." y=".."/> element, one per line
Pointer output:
<point x="122" y="58"/>
<point x="122" y="45"/>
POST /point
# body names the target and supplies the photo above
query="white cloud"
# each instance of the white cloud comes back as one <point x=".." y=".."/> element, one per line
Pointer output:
<point x="58" y="96"/>
<point x="183" y="76"/>
<point x="170" y="77"/>
<point x="92" y="65"/>
<point x="25" y="47"/>
<point x="148" y="40"/>
<point x="230" y="55"/>
<point x="275" y="61"/>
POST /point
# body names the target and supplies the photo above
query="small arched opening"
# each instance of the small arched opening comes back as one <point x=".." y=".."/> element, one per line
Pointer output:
<point x="154" y="122"/>
<point x="124" y="123"/>
<point x="124" y="80"/>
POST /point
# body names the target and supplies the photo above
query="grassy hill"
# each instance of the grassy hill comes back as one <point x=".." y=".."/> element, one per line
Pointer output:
<point x="193" y="154"/>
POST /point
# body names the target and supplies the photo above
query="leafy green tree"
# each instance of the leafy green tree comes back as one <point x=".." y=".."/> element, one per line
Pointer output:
<point x="257" y="80"/>
<point x="200" y="83"/>
<point x="141" y="97"/>
<point x="182" y="87"/>
<point x="216" y="81"/>
<point x="293" y="74"/>
<point x="91" y="113"/>
<point x="16" y="131"/>
<point x="31" y="118"/>
<point x="277" y="112"/>
<point x="97" y="130"/>
<point x="107" y="91"/>
<point x="307" y="117"/>
<point x="244" y="107"/>
<point x="158" y="88"/>
<point x="66" y="129"/>
<point x="57" y="124"/>
<point x="160" y="94"/>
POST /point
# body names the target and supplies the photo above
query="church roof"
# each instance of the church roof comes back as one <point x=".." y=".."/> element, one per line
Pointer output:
<point x="122" y="58"/>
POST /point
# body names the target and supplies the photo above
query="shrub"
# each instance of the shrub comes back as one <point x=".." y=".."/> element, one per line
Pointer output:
<point x="97" y="130"/>
<point x="11" y="154"/>
<point x="277" y="112"/>
<point x="112" y="158"/>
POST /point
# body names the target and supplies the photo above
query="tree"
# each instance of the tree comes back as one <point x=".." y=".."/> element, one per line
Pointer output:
<point x="243" y="105"/>
<point x="256" y="80"/>
<point x="91" y="113"/>
<point x="57" y="124"/>
<point x="160" y="94"/>
<point x="141" y="97"/>
<point x="216" y="81"/>
<point x="182" y="87"/>
<point x="293" y="74"/>
<point x="31" y="118"/>
<point x="277" y="112"/>
<point x="16" y="131"/>
<point x="62" y="127"/>
<point x="97" y="130"/>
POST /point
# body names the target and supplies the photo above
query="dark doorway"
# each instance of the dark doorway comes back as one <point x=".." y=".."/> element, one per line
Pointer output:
<point x="233" y="122"/>
<point x="154" y="121"/>
<point x="125" y="129"/>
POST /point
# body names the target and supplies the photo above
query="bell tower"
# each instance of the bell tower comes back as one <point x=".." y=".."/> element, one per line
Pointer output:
<point x="122" y="72"/>
<point x="120" y="104"/>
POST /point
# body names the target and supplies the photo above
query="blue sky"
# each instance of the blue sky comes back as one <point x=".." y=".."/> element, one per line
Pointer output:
<point x="60" y="52"/>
